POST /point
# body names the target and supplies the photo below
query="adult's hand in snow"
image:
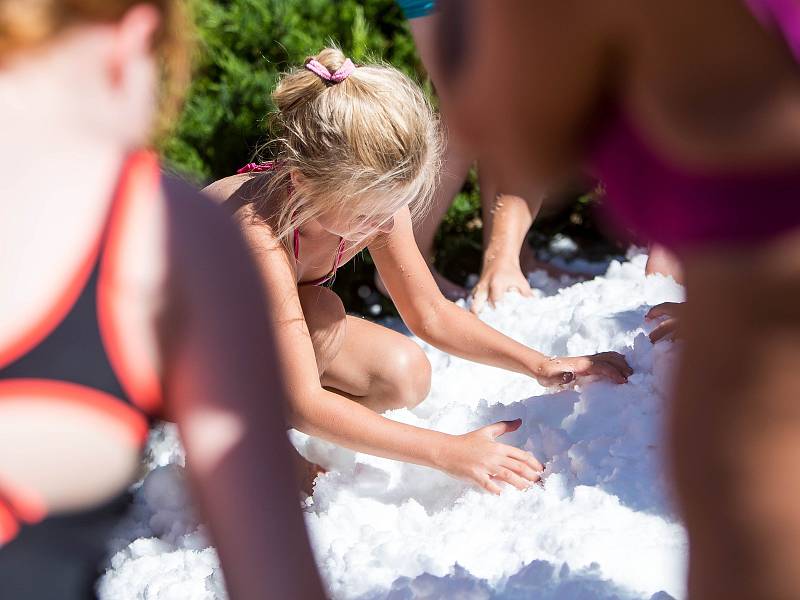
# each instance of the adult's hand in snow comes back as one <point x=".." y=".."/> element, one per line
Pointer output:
<point x="565" y="369"/>
<point x="669" y="328"/>
<point x="495" y="282"/>
<point x="479" y="458"/>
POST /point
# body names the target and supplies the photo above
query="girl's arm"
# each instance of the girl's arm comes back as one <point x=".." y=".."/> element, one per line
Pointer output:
<point x="314" y="410"/>
<point x="224" y="389"/>
<point x="443" y="324"/>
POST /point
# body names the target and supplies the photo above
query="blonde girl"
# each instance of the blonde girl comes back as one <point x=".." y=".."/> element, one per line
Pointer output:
<point x="359" y="152"/>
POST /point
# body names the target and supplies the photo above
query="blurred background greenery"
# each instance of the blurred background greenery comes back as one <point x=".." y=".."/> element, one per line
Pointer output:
<point x="244" y="46"/>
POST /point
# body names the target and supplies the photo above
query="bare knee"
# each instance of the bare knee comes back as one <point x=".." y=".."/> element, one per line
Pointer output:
<point x="407" y="379"/>
<point x="326" y="320"/>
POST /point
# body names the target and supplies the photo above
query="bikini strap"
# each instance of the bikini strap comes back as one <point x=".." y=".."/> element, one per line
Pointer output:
<point x="339" y="255"/>
<point x="271" y="165"/>
<point x="296" y="243"/>
<point x="257" y="167"/>
<point x="337" y="261"/>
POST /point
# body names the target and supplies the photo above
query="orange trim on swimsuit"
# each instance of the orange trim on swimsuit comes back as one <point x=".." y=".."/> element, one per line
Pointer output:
<point x="54" y="315"/>
<point x="26" y="504"/>
<point x="59" y="392"/>
<point x="140" y="381"/>
<point x="9" y="526"/>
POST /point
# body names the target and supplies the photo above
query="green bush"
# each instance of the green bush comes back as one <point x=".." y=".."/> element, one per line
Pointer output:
<point x="244" y="46"/>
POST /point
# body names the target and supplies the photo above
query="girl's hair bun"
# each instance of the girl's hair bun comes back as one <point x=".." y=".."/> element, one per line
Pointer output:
<point x="358" y="142"/>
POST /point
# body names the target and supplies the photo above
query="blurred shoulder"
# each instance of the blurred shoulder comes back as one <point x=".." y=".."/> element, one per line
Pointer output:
<point x="199" y="229"/>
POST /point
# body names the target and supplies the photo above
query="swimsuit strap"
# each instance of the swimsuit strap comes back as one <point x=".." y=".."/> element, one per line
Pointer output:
<point x="257" y="167"/>
<point x="783" y="15"/>
<point x="337" y="261"/>
<point x="339" y="254"/>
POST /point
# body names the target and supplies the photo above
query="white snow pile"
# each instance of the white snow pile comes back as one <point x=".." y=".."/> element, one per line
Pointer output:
<point x="600" y="527"/>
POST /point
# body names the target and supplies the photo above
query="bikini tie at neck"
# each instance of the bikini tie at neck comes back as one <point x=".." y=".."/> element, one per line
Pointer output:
<point x="340" y="75"/>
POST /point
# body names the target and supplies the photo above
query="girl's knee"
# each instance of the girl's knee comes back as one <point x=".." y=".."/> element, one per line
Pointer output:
<point x="409" y="374"/>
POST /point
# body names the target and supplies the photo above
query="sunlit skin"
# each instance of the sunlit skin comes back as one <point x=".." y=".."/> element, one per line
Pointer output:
<point x="343" y="370"/>
<point x="506" y="218"/>
<point x="734" y="428"/>
<point x="73" y="108"/>
<point x="663" y="262"/>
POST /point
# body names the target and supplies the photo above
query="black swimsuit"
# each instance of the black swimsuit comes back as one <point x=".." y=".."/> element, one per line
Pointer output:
<point x="72" y="361"/>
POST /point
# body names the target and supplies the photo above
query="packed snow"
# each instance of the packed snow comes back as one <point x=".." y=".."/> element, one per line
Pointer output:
<point x="600" y="527"/>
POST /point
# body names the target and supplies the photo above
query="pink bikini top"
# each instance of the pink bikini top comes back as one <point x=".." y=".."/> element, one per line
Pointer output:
<point x="681" y="208"/>
<point x="337" y="261"/>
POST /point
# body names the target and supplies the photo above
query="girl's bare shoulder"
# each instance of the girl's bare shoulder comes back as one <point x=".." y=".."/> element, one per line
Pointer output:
<point x="236" y="193"/>
<point x="222" y="189"/>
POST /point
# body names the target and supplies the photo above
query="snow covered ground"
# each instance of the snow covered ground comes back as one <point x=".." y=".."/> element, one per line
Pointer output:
<point x="600" y="527"/>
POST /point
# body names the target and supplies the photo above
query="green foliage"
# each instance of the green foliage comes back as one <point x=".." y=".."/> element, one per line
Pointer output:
<point x="244" y="45"/>
<point x="459" y="240"/>
<point x="242" y="48"/>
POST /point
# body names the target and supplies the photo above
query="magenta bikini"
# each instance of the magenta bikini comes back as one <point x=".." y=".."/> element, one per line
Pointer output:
<point x="680" y="208"/>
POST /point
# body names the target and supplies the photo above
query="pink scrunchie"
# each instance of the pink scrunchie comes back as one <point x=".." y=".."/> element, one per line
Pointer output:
<point x="340" y="75"/>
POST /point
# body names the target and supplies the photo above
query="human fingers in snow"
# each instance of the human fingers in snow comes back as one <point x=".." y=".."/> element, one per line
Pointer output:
<point x="495" y="282"/>
<point x="566" y="369"/>
<point x="669" y="328"/>
<point x="478" y="457"/>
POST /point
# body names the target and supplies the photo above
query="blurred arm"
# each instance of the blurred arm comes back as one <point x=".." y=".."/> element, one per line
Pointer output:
<point x="523" y="79"/>
<point x="226" y="391"/>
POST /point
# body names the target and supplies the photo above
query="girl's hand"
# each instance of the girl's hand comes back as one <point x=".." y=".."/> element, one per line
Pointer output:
<point x="563" y="370"/>
<point x="495" y="282"/>
<point x="479" y="458"/>
<point x="669" y="328"/>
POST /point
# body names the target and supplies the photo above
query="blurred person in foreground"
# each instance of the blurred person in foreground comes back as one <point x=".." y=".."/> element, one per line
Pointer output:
<point x="506" y="218"/>
<point x="690" y="114"/>
<point x="117" y="305"/>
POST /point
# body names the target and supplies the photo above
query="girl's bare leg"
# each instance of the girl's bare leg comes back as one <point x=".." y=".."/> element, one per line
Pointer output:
<point x="735" y="427"/>
<point x="379" y="368"/>
<point x="370" y="364"/>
